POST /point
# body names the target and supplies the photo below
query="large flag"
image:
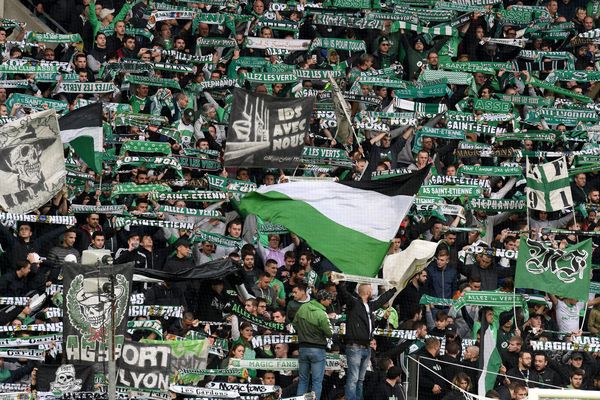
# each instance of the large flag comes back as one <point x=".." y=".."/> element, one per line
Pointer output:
<point x="489" y="360"/>
<point x="265" y="131"/>
<point x="350" y="223"/>
<point x="32" y="164"/>
<point x="564" y="273"/>
<point x="402" y="266"/>
<point x="82" y="130"/>
<point x="96" y="300"/>
<point x="548" y="186"/>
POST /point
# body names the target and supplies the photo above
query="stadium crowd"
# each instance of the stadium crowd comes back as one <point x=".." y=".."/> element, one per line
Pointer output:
<point x="281" y="277"/>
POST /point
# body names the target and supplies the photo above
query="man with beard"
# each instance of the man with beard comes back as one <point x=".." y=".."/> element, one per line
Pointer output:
<point x="546" y="375"/>
<point x="411" y="295"/>
<point x="523" y="373"/>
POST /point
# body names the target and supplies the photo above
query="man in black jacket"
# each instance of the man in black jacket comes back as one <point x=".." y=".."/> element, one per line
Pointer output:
<point x="431" y="381"/>
<point x="390" y="388"/>
<point x="359" y="327"/>
<point x="547" y="376"/>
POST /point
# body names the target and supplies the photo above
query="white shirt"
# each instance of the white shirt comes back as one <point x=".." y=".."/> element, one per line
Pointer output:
<point x="567" y="316"/>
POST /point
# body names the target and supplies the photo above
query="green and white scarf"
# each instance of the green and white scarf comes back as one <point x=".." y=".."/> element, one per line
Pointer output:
<point x="132" y="188"/>
<point x="87" y="209"/>
<point x="42" y="219"/>
<point x="441" y="30"/>
<point x="139" y="120"/>
<point x="85" y="87"/>
<point x="268" y="77"/>
<point x="450" y="191"/>
<point x="194" y="212"/>
<point x="36" y="103"/>
<point x="121" y="222"/>
<point x="152" y="81"/>
<point x="499" y="205"/>
<point x="339" y="44"/>
<point x="53" y="38"/>
<point x="230" y="185"/>
<point x="526" y="100"/>
<point x="190" y="195"/>
<point x="481" y="170"/>
<point x="215" y="42"/>
<point x="139" y="146"/>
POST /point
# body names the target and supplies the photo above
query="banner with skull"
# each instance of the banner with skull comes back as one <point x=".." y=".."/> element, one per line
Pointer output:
<point x="32" y="164"/>
<point x="266" y="130"/>
<point x="66" y="378"/>
<point x="96" y="301"/>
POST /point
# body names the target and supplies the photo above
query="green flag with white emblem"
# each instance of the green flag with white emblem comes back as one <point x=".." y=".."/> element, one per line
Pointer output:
<point x="548" y="186"/>
<point x="563" y="272"/>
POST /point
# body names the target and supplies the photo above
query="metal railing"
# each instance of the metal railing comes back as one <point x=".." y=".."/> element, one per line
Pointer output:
<point x="44" y="17"/>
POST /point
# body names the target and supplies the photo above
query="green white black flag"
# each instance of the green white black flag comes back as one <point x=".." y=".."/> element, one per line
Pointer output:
<point x="548" y="186"/>
<point x="561" y="272"/>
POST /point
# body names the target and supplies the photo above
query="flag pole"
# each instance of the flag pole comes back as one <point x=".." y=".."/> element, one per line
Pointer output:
<point x="585" y="309"/>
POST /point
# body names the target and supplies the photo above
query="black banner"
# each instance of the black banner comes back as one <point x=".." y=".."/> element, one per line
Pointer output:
<point x="144" y="366"/>
<point x="91" y="293"/>
<point x="67" y="378"/>
<point x="266" y="131"/>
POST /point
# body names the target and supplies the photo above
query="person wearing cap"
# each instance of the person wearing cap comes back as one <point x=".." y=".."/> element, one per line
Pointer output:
<point x="312" y="324"/>
<point x="181" y="259"/>
<point x="575" y="361"/>
<point x="104" y="18"/>
<point x="382" y="56"/>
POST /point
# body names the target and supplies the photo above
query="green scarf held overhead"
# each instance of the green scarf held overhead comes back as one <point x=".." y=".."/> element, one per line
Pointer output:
<point x="339" y="44"/>
<point x="443" y="30"/>
<point x="484" y="67"/>
<point x="139" y="120"/>
<point x="268" y="78"/>
<point x="519" y="100"/>
<point x="496" y="106"/>
<point x="569" y="117"/>
<point x="132" y="188"/>
<point x="501" y="170"/>
<point x="36" y="103"/>
<point x="536" y="136"/>
<point x="215" y="42"/>
<point x="53" y="38"/>
<point x="151" y="162"/>
<point x="558" y="90"/>
<point x="424" y="89"/>
<point x="139" y="146"/>
<point x="152" y="81"/>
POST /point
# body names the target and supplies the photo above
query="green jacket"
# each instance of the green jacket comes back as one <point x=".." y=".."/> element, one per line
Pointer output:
<point x="312" y="324"/>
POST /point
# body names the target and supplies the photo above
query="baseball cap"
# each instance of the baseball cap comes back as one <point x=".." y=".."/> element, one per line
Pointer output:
<point x="451" y="330"/>
<point x="576" y="356"/>
<point x="188" y="114"/>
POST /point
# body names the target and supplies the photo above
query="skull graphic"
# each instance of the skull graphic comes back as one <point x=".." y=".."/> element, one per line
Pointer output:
<point x="94" y="299"/>
<point x="65" y="380"/>
<point x="24" y="160"/>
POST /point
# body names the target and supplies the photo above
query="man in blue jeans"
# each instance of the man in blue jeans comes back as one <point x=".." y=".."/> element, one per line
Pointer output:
<point x="359" y="326"/>
<point x="312" y="324"/>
